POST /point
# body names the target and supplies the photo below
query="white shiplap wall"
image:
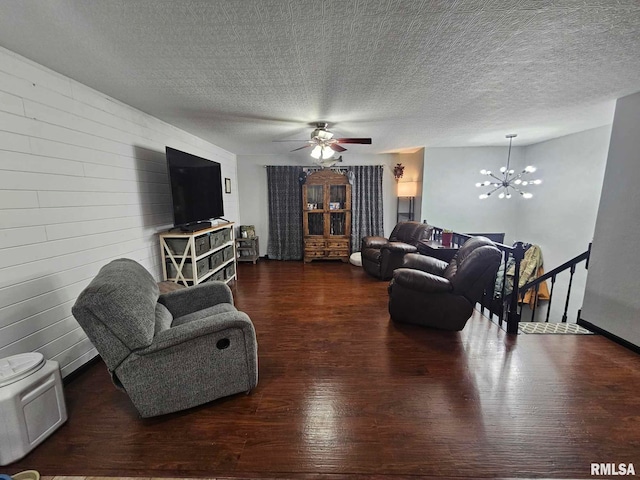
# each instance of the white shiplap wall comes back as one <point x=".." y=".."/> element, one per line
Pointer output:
<point x="82" y="181"/>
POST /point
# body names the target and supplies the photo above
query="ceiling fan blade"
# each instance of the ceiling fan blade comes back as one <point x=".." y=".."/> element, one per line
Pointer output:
<point x="296" y="149"/>
<point x="337" y="148"/>
<point x="299" y="141"/>
<point x="365" y="141"/>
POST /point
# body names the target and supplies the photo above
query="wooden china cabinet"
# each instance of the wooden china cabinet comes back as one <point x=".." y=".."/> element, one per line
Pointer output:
<point x="326" y="205"/>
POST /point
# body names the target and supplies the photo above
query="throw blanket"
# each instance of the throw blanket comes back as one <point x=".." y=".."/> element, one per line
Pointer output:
<point x="530" y="269"/>
<point x="531" y="296"/>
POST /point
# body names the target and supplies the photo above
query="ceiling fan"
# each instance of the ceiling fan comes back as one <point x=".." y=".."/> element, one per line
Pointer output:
<point x="323" y="143"/>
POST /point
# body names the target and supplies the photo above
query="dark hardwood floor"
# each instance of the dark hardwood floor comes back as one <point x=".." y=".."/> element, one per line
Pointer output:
<point x="345" y="392"/>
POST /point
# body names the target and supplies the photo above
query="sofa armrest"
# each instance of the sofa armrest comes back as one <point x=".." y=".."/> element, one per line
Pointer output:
<point x="191" y="299"/>
<point x="400" y="247"/>
<point x="199" y="328"/>
<point x="424" y="263"/>
<point x="421" y="281"/>
<point x="374" y="242"/>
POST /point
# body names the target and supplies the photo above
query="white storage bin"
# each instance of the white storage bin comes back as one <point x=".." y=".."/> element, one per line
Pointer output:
<point x="31" y="403"/>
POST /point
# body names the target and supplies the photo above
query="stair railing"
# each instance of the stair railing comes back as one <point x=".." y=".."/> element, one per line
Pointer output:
<point x="535" y="284"/>
<point x="507" y="306"/>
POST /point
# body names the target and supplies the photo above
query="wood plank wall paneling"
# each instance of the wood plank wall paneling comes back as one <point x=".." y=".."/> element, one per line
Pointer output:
<point x="83" y="180"/>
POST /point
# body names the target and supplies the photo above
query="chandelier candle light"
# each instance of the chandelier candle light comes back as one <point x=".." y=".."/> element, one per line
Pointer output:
<point x="510" y="181"/>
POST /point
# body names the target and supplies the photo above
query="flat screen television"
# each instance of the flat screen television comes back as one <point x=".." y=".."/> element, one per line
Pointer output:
<point x="196" y="189"/>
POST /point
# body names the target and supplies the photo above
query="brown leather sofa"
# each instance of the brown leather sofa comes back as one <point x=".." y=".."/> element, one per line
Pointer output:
<point x="381" y="256"/>
<point x="427" y="291"/>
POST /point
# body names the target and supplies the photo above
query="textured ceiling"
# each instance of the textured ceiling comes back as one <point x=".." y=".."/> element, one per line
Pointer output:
<point x="242" y="73"/>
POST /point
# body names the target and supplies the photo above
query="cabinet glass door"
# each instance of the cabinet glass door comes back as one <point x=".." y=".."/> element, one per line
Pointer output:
<point x="337" y="223"/>
<point x="337" y="197"/>
<point x="315" y="200"/>
<point x="316" y="223"/>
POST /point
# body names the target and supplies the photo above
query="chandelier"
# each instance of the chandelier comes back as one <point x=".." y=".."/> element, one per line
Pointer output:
<point x="510" y="181"/>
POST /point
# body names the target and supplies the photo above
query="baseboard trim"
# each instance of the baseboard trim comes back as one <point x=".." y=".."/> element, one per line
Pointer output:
<point x="620" y="341"/>
<point x="80" y="370"/>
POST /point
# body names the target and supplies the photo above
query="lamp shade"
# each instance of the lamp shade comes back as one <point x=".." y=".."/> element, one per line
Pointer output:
<point x="316" y="152"/>
<point x="407" y="189"/>
<point x="327" y="152"/>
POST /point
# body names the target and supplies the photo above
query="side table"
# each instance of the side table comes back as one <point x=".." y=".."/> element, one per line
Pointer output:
<point x="433" y="248"/>
<point x="248" y="249"/>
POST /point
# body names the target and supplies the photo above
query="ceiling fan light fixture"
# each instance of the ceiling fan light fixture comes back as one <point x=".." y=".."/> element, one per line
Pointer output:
<point x="316" y="152"/>
<point x="324" y="134"/>
<point x="323" y="144"/>
<point x="327" y="152"/>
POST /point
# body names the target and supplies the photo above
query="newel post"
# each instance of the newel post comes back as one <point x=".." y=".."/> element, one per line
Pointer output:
<point x="513" y="317"/>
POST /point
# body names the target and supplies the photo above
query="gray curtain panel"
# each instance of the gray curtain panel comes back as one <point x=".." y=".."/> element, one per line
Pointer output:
<point x="366" y="203"/>
<point x="285" y="213"/>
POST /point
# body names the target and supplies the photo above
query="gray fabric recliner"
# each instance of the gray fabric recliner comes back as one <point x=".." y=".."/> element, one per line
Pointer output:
<point x="168" y="352"/>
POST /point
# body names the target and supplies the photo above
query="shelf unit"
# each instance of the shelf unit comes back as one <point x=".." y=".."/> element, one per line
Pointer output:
<point x="190" y="258"/>
<point x="248" y="249"/>
<point x="326" y="219"/>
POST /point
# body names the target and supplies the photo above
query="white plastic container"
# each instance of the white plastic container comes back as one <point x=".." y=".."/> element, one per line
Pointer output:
<point x="31" y="403"/>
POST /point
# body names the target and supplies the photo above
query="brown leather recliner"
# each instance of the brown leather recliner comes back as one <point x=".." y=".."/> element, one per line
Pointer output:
<point x="381" y="256"/>
<point x="427" y="291"/>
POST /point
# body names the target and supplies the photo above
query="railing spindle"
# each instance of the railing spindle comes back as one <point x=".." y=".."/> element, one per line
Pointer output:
<point x="566" y="305"/>
<point x="553" y="284"/>
<point x="514" y="317"/>
<point x="503" y="310"/>
<point x="535" y="302"/>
